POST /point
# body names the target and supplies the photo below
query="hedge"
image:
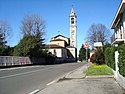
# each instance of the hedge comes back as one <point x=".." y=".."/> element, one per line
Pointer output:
<point x="121" y="64"/>
<point x="110" y="57"/>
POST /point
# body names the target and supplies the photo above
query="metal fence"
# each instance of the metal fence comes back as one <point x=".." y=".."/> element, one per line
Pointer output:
<point x="14" y="60"/>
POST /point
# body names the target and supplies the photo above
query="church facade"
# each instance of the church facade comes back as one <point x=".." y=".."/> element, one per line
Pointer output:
<point x="66" y="48"/>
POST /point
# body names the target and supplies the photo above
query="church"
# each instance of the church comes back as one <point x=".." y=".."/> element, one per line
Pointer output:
<point x="65" y="48"/>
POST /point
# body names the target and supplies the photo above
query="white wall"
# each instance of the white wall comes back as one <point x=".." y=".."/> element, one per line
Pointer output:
<point x="119" y="78"/>
<point x="73" y="52"/>
<point x="58" y="52"/>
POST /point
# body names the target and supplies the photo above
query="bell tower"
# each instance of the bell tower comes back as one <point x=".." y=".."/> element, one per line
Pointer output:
<point x="73" y="27"/>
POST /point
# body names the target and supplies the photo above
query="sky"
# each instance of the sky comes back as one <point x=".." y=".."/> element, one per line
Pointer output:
<point x="56" y="14"/>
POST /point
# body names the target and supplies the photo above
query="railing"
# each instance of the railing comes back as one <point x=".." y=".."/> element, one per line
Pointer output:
<point x="118" y="36"/>
<point x="14" y="60"/>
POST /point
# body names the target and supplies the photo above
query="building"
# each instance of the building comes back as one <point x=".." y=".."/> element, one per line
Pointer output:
<point x="73" y="28"/>
<point x="118" y="25"/>
<point x="63" y="47"/>
<point x="118" y="38"/>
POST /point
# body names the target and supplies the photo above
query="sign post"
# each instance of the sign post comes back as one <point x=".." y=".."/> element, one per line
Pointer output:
<point x="86" y="46"/>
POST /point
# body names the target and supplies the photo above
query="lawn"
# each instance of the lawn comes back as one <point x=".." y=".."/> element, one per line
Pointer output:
<point x="98" y="70"/>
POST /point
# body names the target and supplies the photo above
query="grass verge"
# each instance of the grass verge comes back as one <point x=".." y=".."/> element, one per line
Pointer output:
<point x="95" y="70"/>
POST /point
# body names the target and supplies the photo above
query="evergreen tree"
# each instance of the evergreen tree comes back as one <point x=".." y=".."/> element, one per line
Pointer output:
<point x="82" y="54"/>
<point x="28" y="46"/>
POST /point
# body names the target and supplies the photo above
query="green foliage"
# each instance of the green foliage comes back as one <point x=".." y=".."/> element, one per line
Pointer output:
<point x="2" y="50"/>
<point x="93" y="58"/>
<point x="107" y="45"/>
<point x="121" y="64"/>
<point x="28" y="46"/>
<point x="99" y="56"/>
<point x="82" y="54"/>
<point x="5" y="50"/>
<point x="50" y="59"/>
<point x="98" y="70"/>
<point x="110" y="57"/>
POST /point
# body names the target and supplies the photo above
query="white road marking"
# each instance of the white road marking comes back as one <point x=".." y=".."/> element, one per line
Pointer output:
<point x="51" y="82"/>
<point x="20" y="74"/>
<point x="35" y="91"/>
<point x="18" y="68"/>
<point x="26" y="72"/>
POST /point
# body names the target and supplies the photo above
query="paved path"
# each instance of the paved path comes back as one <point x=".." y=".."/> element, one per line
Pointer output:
<point x="73" y="83"/>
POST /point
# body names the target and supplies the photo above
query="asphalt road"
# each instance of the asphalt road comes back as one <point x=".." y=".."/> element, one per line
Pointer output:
<point x="25" y="80"/>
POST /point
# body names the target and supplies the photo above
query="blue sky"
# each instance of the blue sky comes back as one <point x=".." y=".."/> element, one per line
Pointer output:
<point x="56" y="14"/>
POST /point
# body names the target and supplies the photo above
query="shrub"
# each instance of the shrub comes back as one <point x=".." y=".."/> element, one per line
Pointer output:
<point x="99" y="56"/>
<point x="121" y="64"/>
<point x="110" y="57"/>
<point x="92" y="59"/>
<point x="50" y="59"/>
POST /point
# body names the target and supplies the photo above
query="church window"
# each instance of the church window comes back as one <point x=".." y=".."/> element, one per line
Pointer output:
<point x="54" y="52"/>
<point x="72" y="20"/>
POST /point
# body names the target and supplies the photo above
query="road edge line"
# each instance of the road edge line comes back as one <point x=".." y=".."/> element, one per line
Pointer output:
<point x="35" y="91"/>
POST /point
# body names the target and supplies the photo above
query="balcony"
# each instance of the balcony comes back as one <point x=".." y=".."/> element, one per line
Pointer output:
<point x="117" y="39"/>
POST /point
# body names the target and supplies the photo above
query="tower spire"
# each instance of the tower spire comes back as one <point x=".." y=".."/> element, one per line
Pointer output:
<point x="72" y="11"/>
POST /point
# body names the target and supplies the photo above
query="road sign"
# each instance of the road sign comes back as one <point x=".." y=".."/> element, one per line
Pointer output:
<point x="86" y="45"/>
<point x="97" y="44"/>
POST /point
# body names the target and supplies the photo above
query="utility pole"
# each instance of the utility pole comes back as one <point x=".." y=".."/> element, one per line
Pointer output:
<point x="86" y="55"/>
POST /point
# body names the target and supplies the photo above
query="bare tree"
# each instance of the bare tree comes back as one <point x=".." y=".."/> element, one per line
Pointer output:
<point x="98" y="33"/>
<point x="33" y="25"/>
<point x="5" y="30"/>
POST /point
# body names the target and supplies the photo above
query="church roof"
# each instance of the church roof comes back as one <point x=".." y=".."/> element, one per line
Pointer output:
<point x="58" y="40"/>
<point x="53" y="46"/>
<point x="61" y="36"/>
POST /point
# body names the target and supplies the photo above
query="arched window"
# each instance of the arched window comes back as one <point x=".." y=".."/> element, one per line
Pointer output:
<point x="72" y="20"/>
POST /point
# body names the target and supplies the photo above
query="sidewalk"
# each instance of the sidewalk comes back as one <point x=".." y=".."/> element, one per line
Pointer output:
<point x="76" y="83"/>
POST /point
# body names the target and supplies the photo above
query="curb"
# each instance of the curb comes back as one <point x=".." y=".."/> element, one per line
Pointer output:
<point x="101" y="76"/>
<point x="68" y="73"/>
<point x="60" y="77"/>
<point x="66" y="76"/>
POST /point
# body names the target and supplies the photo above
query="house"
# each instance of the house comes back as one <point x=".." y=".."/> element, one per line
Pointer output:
<point x="118" y="38"/>
<point x="118" y="25"/>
